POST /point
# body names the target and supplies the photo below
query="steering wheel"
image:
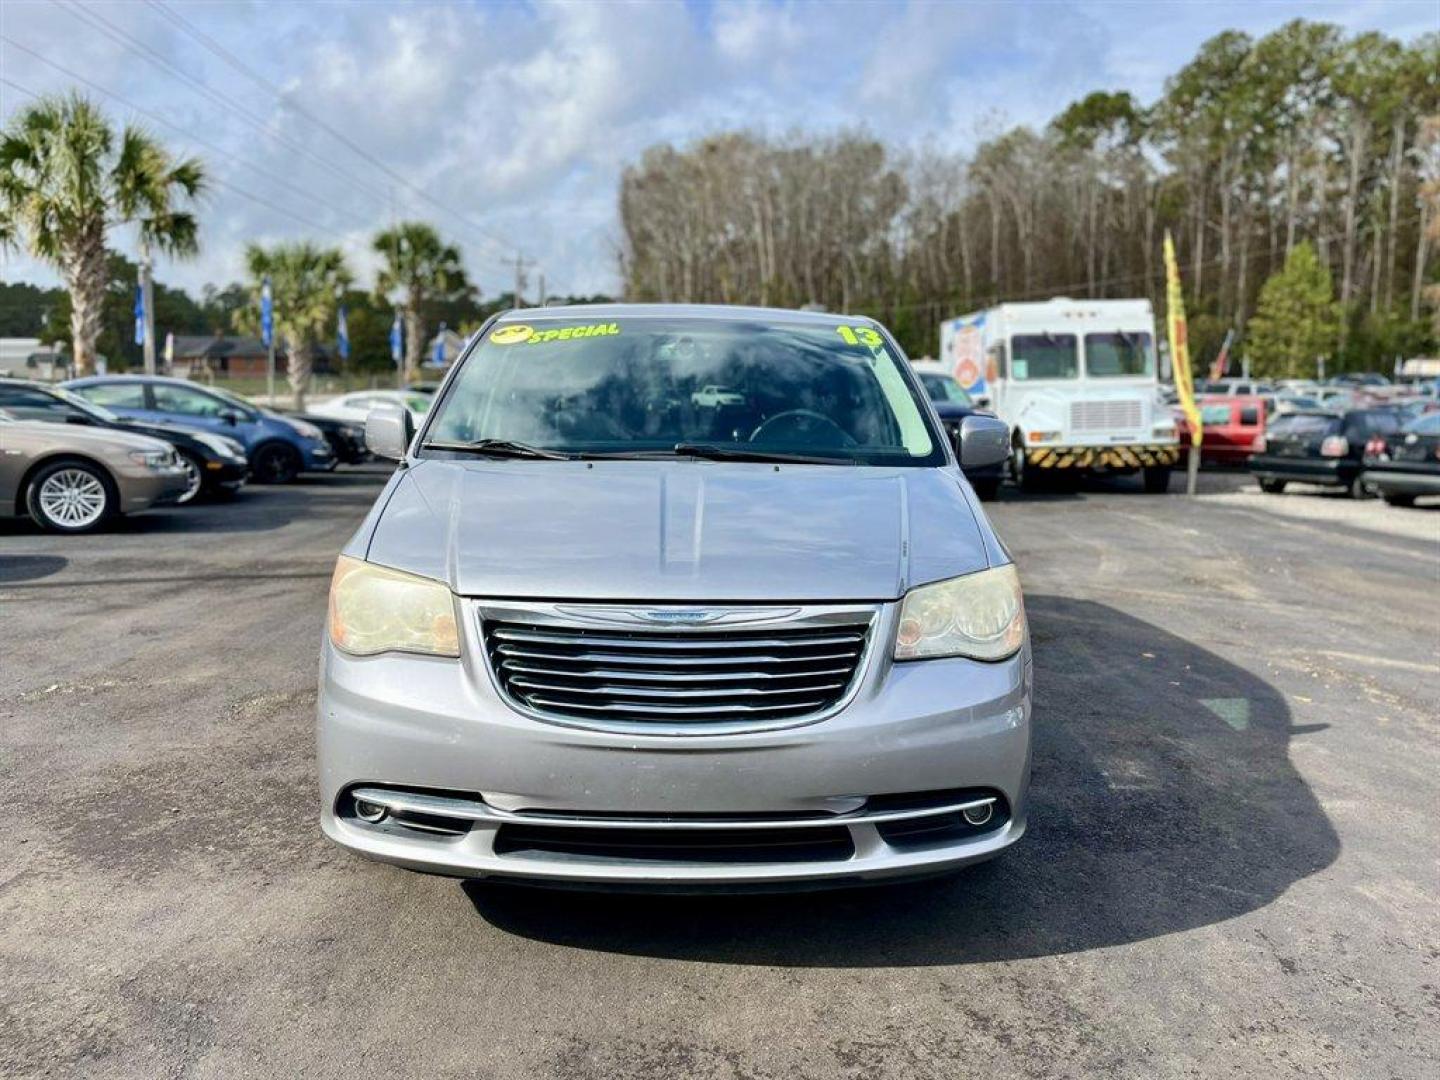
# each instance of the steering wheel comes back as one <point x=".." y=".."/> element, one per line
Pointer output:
<point x="806" y="423"/>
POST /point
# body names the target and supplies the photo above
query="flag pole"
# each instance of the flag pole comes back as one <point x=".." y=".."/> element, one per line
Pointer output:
<point x="1180" y="362"/>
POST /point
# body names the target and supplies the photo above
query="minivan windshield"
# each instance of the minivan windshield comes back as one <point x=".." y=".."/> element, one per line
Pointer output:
<point x="702" y="387"/>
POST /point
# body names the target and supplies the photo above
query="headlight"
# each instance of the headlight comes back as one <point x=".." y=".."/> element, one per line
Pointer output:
<point x="981" y="616"/>
<point x="310" y="431"/>
<point x="374" y="610"/>
<point x="227" y="448"/>
<point x="153" y="459"/>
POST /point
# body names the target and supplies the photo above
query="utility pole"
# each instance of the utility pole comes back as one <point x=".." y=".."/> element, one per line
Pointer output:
<point x="519" y="279"/>
<point x="541" y="301"/>
<point x="147" y="299"/>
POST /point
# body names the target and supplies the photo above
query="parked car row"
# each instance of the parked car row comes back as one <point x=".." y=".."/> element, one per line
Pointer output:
<point x="76" y="454"/>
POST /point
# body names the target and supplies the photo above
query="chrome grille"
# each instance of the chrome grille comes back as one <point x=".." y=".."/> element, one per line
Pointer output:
<point x="1104" y="415"/>
<point x="690" y="677"/>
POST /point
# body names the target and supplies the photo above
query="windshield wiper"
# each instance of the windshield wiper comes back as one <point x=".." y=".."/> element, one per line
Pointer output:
<point x="740" y="453"/>
<point x="500" y="448"/>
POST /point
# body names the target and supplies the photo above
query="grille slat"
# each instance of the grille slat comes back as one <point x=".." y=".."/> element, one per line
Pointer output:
<point x="621" y="709"/>
<point x="669" y="692"/>
<point x="673" y="661"/>
<point x="670" y="676"/>
<point x="679" y="674"/>
<point x="667" y="642"/>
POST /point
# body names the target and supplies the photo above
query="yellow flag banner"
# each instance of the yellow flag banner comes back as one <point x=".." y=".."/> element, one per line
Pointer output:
<point x="1179" y="346"/>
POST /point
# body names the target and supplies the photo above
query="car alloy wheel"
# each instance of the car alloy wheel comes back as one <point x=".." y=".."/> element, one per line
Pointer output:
<point x="194" y="479"/>
<point x="73" y="498"/>
<point x="276" y="465"/>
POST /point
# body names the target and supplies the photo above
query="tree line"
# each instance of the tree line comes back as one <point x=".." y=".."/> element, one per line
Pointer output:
<point x="1255" y="146"/>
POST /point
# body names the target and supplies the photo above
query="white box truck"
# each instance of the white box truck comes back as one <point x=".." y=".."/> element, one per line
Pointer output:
<point x="1076" y="380"/>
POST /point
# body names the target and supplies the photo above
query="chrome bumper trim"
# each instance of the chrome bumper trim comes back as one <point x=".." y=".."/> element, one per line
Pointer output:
<point x="475" y="810"/>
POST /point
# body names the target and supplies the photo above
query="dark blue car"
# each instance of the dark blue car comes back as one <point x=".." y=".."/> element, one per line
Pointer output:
<point x="279" y="447"/>
<point x="953" y="404"/>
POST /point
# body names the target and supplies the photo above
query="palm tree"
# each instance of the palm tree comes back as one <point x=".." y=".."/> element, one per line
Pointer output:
<point x="420" y="268"/>
<point x="65" y="180"/>
<point x="305" y="285"/>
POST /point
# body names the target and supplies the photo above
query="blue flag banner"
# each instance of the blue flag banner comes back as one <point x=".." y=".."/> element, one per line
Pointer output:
<point x="397" y="341"/>
<point x="439" y="358"/>
<point x="342" y="335"/>
<point x="139" y="315"/>
<point x="267" y="313"/>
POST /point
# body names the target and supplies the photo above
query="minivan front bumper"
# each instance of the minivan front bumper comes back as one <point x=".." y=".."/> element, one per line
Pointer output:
<point x="477" y="788"/>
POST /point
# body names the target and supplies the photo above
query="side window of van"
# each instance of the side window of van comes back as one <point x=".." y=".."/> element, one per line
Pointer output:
<point x="1249" y="416"/>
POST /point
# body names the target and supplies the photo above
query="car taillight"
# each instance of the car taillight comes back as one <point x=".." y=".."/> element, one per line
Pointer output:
<point x="1257" y="444"/>
<point x="1334" y="446"/>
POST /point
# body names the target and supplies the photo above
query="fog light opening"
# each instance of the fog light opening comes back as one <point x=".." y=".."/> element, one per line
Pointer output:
<point x="979" y="815"/>
<point x="374" y="813"/>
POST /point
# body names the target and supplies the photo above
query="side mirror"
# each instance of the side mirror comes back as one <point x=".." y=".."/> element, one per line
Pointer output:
<point x="388" y="431"/>
<point x="230" y="416"/>
<point x="983" y="441"/>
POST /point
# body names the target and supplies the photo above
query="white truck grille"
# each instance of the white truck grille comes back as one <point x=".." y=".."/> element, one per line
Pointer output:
<point x="1107" y="415"/>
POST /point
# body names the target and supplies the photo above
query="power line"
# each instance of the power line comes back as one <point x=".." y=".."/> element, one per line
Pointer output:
<point x="259" y="199"/>
<point x="156" y="118"/>
<point x="139" y="48"/>
<point x="279" y="93"/>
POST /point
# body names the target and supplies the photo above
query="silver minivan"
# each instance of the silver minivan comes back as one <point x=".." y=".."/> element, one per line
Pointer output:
<point x="677" y="596"/>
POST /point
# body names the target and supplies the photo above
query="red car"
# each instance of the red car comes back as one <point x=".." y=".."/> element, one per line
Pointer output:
<point x="1231" y="426"/>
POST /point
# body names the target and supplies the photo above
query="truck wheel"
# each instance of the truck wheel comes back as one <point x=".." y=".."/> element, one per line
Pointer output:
<point x="1021" y="475"/>
<point x="71" y="497"/>
<point x="1273" y="487"/>
<point x="1157" y="479"/>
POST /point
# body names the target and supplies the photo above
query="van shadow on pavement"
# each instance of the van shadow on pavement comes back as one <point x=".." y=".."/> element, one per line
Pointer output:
<point x="1163" y="799"/>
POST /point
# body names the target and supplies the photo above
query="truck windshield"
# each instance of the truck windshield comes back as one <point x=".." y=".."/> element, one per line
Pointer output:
<point x="1044" y="356"/>
<point x="649" y="386"/>
<point x="1124" y="353"/>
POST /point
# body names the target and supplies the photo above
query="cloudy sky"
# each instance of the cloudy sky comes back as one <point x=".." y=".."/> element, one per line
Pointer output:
<point x="507" y="124"/>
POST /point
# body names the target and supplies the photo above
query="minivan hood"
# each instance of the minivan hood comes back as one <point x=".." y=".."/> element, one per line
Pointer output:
<point x="677" y="530"/>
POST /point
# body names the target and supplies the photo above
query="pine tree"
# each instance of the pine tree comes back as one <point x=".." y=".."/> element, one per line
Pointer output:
<point x="1297" y="319"/>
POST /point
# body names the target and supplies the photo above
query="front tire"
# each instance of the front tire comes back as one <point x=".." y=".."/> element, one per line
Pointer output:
<point x="1396" y="498"/>
<point x="1021" y="475"/>
<point x="1157" y="479"/>
<point x="1358" y="490"/>
<point x="986" y="490"/>
<point x="194" y="478"/>
<point x="1272" y="487"/>
<point x="275" y="463"/>
<point x="71" y="497"/>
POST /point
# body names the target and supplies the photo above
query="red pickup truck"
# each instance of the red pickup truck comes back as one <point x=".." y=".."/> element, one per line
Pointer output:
<point x="1231" y="425"/>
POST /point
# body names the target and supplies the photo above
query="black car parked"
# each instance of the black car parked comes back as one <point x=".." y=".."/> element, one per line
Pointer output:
<point x="346" y="438"/>
<point x="1406" y="465"/>
<point x="1320" y="448"/>
<point x="953" y="404"/>
<point x="215" y="464"/>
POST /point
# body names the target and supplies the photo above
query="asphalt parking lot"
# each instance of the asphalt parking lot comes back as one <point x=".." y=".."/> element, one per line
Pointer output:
<point x="1231" y="868"/>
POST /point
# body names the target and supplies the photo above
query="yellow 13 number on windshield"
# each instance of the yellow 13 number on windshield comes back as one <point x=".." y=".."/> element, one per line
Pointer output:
<point x="860" y="335"/>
